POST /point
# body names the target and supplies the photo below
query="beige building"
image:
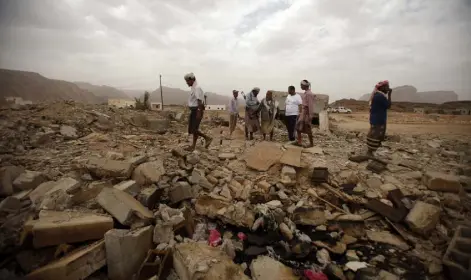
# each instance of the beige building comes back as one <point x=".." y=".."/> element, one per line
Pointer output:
<point x="156" y="105"/>
<point x="18" y="100"/>
<point x="215" y="107"/>
<point x="122" y="103"/>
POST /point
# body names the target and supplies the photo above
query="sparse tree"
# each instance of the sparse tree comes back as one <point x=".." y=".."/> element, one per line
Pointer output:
<point x="143" y="105"/>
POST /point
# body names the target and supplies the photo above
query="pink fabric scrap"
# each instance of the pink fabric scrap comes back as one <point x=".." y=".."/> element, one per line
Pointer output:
<point x="242" y="236"/>
<point x="214" y="238"/>
<point x="312" y="275"/>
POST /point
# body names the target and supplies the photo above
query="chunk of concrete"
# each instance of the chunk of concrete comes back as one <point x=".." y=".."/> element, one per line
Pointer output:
<point x="163" y="233"/>
<point x="123" y="207"/>
<point x="149" y="196"/>
<point x="8" y="174"/>
<point x="441" y="182"/>
<point x="29" y="180"/>
<point x="55" y="227"/>
<point x="37" y="195"/>
<point x="126" y="250"/>
<point x="197" y="177"/>
<point x="423" y="217"/>
<point x="68" y="132"/>
<point x="10" y="204"/>
<point x="288" y="172"/>
<point x="59" y="197"/>
<point x="309" y="216"/>
<point x="199" y="261"/>
<point x="387" y="238"/>
<point x="107" y="168"/>
<point x="264" y="268"/>
<point x="148" y="173"/>
<point x="180" y="191"/>
<point x="130" y="186"/>
<point x="77" y="265"/>
<point x="236" y="214"/>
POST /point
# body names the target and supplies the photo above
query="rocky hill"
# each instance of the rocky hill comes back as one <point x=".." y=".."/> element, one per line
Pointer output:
<point x="410" y="94"/>
<point x="32" y="86"/>
<point x="103" y="91"/>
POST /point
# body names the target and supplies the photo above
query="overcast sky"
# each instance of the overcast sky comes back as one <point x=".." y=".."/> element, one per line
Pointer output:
<point x="342" y="46"/>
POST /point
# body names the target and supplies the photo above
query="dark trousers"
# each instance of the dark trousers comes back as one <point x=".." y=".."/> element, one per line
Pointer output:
<point x="291" y="126"/>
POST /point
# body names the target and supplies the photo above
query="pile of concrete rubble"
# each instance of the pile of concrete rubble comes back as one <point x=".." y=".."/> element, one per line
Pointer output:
<point x="92" y="192"/>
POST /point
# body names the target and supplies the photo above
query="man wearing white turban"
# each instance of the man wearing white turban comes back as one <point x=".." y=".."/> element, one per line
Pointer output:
<point x="196" y="103"/>
<point x="252" y="113"/>
<point x="306" y="113"/>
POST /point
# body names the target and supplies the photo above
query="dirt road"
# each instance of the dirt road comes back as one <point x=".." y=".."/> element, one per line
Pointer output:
<point x="412" y="124"/>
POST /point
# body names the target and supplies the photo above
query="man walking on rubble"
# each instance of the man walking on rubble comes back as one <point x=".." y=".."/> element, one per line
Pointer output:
<point x="293" y="101"/>
<point x="306" y="113"/>
<point x="233" y="112"/>
<point x="196" y="104"/>
<point x="252" y="110"/>
<point x="380" y="102"/>
<point x="268" y="111"/>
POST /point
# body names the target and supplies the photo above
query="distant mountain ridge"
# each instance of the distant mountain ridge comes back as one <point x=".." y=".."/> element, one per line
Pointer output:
<point x="410" y="94"/>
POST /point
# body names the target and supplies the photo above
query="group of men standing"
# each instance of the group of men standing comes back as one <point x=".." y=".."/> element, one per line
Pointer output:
<point x="260" y="115"/>
<point x="299" y="112"/>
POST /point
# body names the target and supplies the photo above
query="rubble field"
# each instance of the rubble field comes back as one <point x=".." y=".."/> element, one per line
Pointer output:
<point x="95" y="192"/>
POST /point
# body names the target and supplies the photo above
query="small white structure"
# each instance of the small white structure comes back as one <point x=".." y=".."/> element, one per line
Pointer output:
<point x="18" y="100"/>
<point x="156" y="105"/>
<point x="121" y="103"/>
<point x="215" y="107"/>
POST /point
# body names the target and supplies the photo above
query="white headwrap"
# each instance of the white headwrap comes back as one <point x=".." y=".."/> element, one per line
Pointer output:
<point x="189" y="76"/>
<point x="305" y="83"/>
<point x="256" y="89"/>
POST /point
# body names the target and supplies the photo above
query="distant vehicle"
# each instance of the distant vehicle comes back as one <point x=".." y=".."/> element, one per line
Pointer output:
<point x="341" y="110"/>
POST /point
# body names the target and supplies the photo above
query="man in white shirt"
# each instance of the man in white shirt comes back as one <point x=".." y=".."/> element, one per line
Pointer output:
<point x="293" y="102"/>
<point x="196" y="102"/>
<point x="233" y="112"/>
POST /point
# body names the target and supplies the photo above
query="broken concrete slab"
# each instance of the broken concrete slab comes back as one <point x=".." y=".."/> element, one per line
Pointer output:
<point x="180" y="191"/>
<point x="288" y="172"/>
<point x="59" y="197"/>
<point x="314" y="150"/>
<point x="130" y="186"/>
<point x="10" y="204"/>
<point x="29" y="180"/>
<point x="423" y="217"/>
<point x="77" y="265"/>
<point x="199" y="261"/>
<point x="309" y="216"/>
<point x="387" y="238"/>
<point x="233" y="213"/>
<point x="292" y="156"/>
<point x="56" y="227"/>
<point x="148" y="173"/>
<point x="107" y="168"/>
<point x="123" y="207"/>
<point x="126" y="250"/>
<point x="263" y="155"/>
<point x="149" y="196"/>
<point x="37" y="195"/>
<point x="163" y="232"/>
<point x="264" y="268"/>
<point x="197" y="177"/>
<point x="437" y="181"/>
<point x="8" y="174"/>
<point x="69" y="132"/>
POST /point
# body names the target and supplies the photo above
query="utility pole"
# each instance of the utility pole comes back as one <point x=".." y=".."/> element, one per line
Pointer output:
<point x="161" y="93"/>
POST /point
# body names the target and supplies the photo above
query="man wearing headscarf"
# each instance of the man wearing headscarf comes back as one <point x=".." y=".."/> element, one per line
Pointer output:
<point x="268" y="110"/>
<point x="196" y="104"/>
<point x="252" y="110"/>
<point x="380" y="102"/>
<point x="233" y="112"/>
<point x="306" y="113"/>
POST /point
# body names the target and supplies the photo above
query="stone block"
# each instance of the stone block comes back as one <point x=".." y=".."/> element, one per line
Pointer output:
<point x="423" y="217"/>
<point x="197" y="177"/>
<point x="163" y="232"/>
<point x="308" y="216"/>
<point x="8" y="174"/>
<point x="59" y="197"/>
<point x="107" y="168"/>
<point x="125" y="208"/>
<point x="29" y="180"/>
<point x="180" y="191"/>
<point x="288" y="172"/>
<point x="77" y="265"/>
<point x="236" y="214"/>
<point x="149" y="196"/>
<point x="442" y="182"/>
<point x="130" y="186"/>
<point x="37" y="195"/>
<point x="266" y="268"/>
<point x="10" y="204"/>
<point x="199" y="261"/>
<point x="126" y="250"/>
<point x="55" y="227"/>
<point x="148" y="173"/>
